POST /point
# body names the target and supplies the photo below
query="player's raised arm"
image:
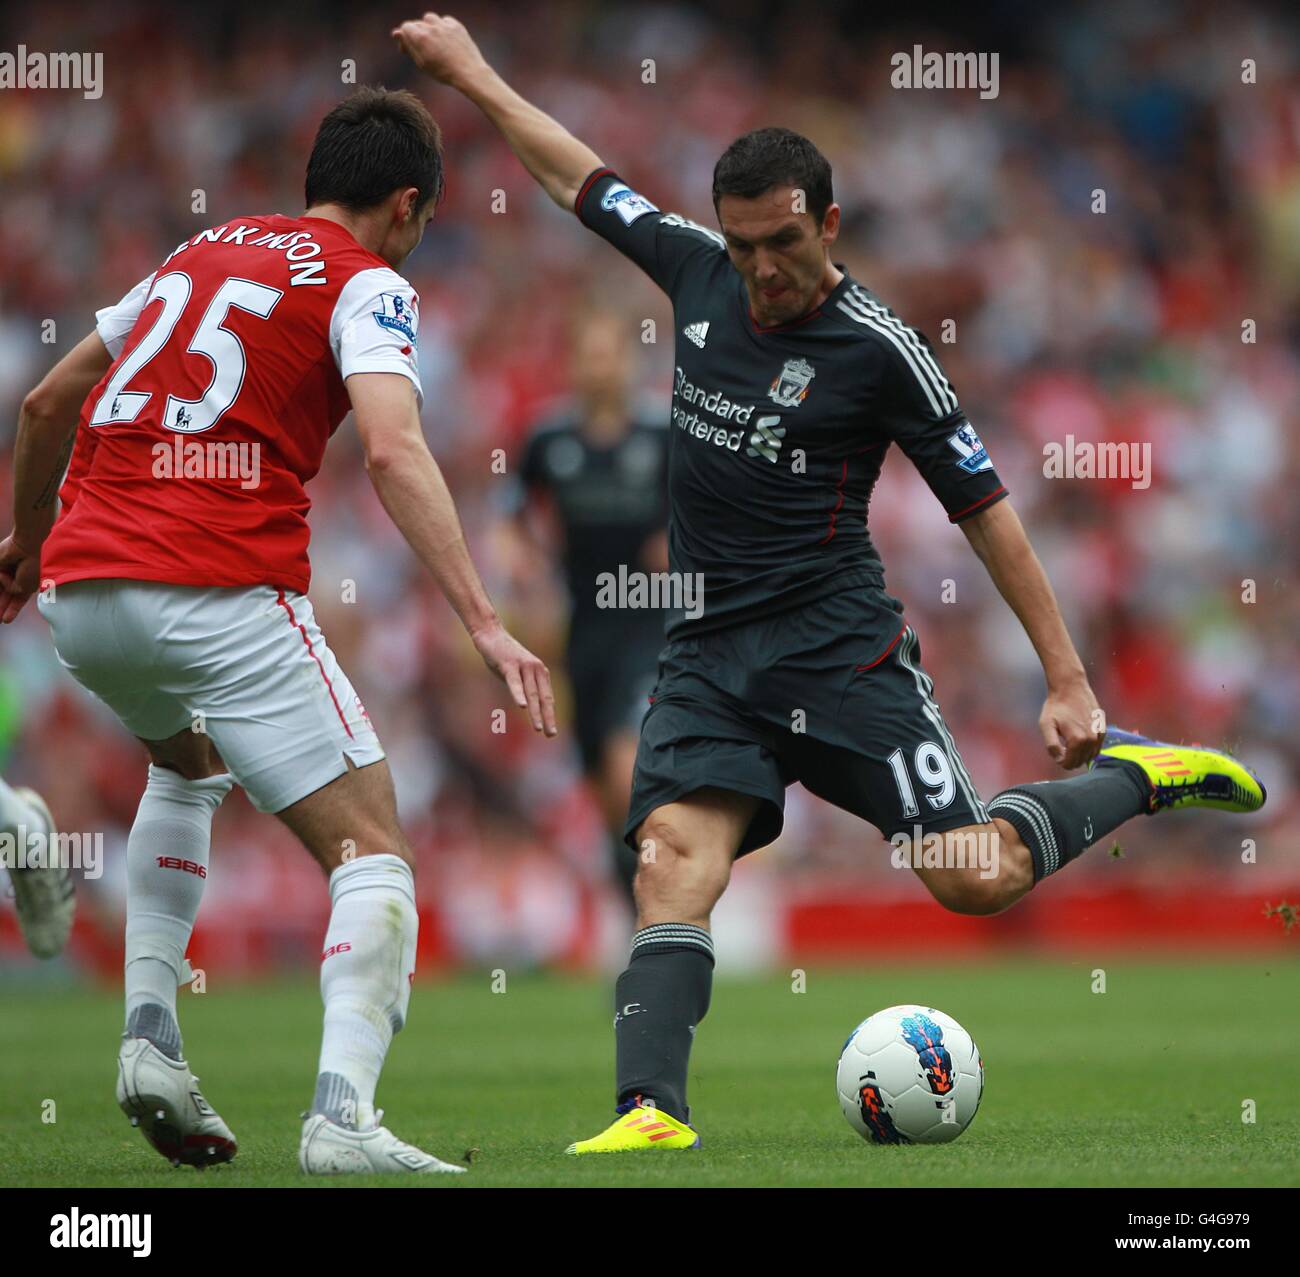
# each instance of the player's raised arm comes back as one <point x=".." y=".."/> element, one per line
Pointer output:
<point x="414" y="493"/>
<point x="443" y="49"/>
<point x="47" y="424"/>
<point x="570" y="172"/>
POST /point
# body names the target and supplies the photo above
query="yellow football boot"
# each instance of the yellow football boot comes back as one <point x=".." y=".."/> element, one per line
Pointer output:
<point x="1186" y="775"/>
<point x="636" y="1129"/>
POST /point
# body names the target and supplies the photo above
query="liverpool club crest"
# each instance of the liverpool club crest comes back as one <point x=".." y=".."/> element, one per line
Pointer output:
<point x="790" y="388"/>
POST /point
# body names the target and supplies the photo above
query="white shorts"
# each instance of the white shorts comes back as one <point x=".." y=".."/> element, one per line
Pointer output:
<point x="247" y="666"/>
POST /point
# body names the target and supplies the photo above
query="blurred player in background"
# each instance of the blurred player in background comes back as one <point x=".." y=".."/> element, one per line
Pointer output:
<point x="599" y="469"/>
<point x="44" y="896"/>
<point x="174" y="581"/>
<point x="791" y="382"/>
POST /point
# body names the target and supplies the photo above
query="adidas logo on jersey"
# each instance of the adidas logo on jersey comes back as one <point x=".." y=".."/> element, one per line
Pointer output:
<point x="698" y="333"/>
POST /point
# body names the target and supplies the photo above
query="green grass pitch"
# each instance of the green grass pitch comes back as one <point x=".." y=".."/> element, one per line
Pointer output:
<point x="1143" y="1084"/>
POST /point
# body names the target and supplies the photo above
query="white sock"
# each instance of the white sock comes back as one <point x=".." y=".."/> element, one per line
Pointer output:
<point x="365" y="982"/>
<point x="15" y="811"/>
<point x="173" y="826"/>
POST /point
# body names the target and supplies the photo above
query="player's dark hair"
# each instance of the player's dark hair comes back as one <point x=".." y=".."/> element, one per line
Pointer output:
<point x="765" y="158"/>
<point x="373" y="143"/>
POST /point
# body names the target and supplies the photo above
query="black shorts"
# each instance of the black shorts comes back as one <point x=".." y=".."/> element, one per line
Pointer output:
<point x="612" y="673"/>
<point x="831" y="694"/>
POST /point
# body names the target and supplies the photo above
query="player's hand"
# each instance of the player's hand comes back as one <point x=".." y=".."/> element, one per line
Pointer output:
<point x="1073" y="725"/>
<point x="20" y="576"/>
<point x="523" y="673"/>
<point x="441" y="48"/>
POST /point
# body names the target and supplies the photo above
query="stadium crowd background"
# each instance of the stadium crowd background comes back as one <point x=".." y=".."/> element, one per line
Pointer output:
<point x="1125" y="325"/>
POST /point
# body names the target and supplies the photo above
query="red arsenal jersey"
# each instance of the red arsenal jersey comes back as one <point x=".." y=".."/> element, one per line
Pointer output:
<point x="227" y="382"/>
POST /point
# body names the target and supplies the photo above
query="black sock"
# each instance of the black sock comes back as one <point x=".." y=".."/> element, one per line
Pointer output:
<point x="1058" y="820"/>
<point x="659" y="999"/>
<point x="155" y="1022"/>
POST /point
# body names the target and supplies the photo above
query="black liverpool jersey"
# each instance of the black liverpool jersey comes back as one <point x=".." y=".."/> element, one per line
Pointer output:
<point x="610" y="499"/>
<point x="778" y="434"/>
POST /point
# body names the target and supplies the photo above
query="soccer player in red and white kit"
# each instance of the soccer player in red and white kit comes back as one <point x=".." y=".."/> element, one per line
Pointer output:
<point x="175" y="588"/>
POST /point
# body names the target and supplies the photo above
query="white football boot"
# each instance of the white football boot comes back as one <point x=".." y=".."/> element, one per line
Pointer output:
<point x="162" y="1097"/>
<point x="330" y="1149"/>
<point x="44" y="896"/>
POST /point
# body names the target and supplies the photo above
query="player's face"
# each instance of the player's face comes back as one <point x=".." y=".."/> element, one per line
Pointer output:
<point x="600" y="361"/>
<point x="779" y="251"/>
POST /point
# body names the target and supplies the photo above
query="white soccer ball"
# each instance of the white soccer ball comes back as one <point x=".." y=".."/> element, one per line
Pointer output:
<point x="910" y="1075"/>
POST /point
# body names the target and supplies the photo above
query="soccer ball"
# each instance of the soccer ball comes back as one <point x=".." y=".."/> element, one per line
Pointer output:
<point x="910" y="1075"/>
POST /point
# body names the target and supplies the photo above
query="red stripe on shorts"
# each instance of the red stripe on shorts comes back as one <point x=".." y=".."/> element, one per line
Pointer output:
<point x="872" y="664"/>
<point x="302" y="629"/>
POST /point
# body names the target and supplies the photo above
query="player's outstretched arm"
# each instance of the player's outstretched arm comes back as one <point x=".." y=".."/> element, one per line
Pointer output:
<point x="47" y="430"/>
<point x="414" y="493"/>
<point x="1071" y="721"/>
<point x="443" y="49"/>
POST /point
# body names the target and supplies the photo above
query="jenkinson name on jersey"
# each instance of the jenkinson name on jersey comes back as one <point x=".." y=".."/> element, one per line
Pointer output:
<point x="243" y="336"/>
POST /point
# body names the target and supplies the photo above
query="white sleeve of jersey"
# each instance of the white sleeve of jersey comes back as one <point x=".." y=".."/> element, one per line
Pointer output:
<point x="114" y="323"/>
<point x="375" y="326"/>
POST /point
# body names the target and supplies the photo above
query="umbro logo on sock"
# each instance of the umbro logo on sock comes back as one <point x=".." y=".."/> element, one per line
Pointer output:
<point x="698" y="333"/>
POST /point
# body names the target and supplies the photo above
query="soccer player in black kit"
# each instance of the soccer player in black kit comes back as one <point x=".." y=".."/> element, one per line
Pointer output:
<point x="601" y="467"/>
<point x="791" y="382"/>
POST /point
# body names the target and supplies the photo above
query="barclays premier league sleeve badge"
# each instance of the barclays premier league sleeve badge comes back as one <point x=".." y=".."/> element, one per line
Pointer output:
<point x="973" y="456"/>
<point x="397" y="313"/>
<point x="626" y="203"/>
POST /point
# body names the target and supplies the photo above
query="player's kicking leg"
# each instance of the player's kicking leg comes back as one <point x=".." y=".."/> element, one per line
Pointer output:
<point x="43" y="892"/>
<point x="884" y="752"/>
<point x="664" y="993"/>
<point x="1040" y="828"/>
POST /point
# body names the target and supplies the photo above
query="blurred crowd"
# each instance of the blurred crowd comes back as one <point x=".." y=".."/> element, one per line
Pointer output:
<point x="1117" y="325"/>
